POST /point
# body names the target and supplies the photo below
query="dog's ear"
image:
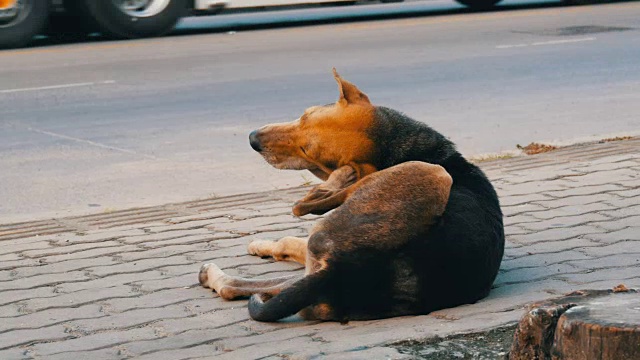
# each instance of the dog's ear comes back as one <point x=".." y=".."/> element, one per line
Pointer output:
<point x="349" y="93"/>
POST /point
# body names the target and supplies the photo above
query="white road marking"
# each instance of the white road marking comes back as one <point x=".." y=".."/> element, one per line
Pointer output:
<point x="92" y="143"/>
<point x="511" y="46"/>
<point x="53" y="87"/>
<point x="542" y="43"/>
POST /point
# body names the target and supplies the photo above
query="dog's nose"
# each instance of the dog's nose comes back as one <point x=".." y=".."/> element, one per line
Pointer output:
<point x="253" y="140"/>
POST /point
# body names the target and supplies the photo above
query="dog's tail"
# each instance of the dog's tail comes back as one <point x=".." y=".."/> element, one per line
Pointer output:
<point x="301" y="294"/>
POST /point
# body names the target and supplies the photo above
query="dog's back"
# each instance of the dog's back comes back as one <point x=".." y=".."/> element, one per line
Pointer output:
<point x="458" y="259"/>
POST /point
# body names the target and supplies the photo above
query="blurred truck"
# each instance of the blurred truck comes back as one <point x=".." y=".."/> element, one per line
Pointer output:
<point x="21" y="20"/>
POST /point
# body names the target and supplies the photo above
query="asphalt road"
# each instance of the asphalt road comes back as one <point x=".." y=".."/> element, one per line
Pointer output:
<point x="96" y="126"/>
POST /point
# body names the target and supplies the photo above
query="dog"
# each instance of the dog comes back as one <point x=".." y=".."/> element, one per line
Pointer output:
<point x="415" y="227"/>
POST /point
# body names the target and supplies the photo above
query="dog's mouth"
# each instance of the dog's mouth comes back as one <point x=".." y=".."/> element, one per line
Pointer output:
<point x="286" y="162"/>
<point x="286" y="155"/>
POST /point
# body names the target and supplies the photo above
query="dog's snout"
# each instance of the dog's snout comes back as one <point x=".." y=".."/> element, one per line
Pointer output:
<point x="253" y="140"/>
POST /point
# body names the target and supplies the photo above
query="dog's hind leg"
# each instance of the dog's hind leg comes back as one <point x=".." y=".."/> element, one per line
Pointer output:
<point x="233" y="287"/>
<point x="288" y="248"/>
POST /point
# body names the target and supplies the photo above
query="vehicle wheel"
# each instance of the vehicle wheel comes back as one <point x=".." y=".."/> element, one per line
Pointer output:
<point x="478" y="4"/>
<point x="21" y="20"/>
<point x="135" y="18"/>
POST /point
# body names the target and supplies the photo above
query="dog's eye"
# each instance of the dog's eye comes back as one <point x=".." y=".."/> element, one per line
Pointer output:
<point x="303" y="150"/>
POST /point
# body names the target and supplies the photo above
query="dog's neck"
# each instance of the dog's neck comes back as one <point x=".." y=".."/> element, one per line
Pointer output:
<point x="401" y="143"/>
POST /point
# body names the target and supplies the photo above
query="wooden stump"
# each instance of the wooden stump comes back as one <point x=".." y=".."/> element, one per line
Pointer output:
<point x="589" y="325"/>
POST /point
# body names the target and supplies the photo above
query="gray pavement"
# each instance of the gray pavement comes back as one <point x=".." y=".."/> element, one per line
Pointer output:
<point x="105" y="125"/>
<point x="123" y="284"/>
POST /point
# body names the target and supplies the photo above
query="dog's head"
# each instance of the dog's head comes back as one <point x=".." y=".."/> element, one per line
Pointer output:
<point x="324" y="138"/>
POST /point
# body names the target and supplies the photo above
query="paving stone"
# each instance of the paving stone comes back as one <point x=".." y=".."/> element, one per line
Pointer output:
<point x="515" y="230"/>
<point x="535" y="273"/>
<point x="622" y="202"/>
<point x="523" y="199"/>
<point x="543" y="259"/>
<point x="617" y="260"/>
<point x="585" y="190"/>
<point x="97" y="235"/>
<point x="14" y="296"/>
<point x="28" y="336"/>
<point x="545" y="247"/>
<point x="50" y="317"/>
<point x="78" y="298"/>
<point x="364" y="354"/>
<point x="139" y="266"/>
<point x="93" y="342"/>
<point x="519" y="219"/>
<point x="14" y="354"/>
<point x="58" y="267"/>
<point x="129" y="319"/>
<point x="630" y="233"/>
<point x="604" y="166"/>
<point x="197" y="240"/>
<point x="43" y="281"/>
<point x="628" y="193"/>
<point x="622" y="223"/>
<point x="604" y="177"/>
<point x="565" y="222"/>
<point x="131" y="280"/>
<point x="532" y="188"/>
<point x="619" y="247"/>
<point x="528" y="209"/>
<point x="617" y="212"/>
<point x="8" y="249"/>
<point x="577" y="200"/>
<point x="556" y="234"/>
<point x="216" y="322"/>
<point x="9" y="257"/>
<point x="186" y="225"/>
<point x="205" y="351"/>
<point x="112" y="353"/>
<point x="166" y="235"/>
<point x="615" y="275"/>
<point x="76" y="248"/>
<point x="90" y="253"/>
<point x="163" y="252"/>
<point x="599" y="207"/>
<point x="158" y="299"/>
<point x="166" y="282"/>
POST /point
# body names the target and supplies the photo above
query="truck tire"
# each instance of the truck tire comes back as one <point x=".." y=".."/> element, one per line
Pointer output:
<point x="21" y="22"/>
<point x="126" y="19"/>
<point x="478" y="4"/>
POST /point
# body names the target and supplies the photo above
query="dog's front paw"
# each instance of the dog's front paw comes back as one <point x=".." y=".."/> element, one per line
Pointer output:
<point x="261" y="248"/>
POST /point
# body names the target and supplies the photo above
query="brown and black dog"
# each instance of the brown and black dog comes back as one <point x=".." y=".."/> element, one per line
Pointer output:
<point x="416" y="227"/>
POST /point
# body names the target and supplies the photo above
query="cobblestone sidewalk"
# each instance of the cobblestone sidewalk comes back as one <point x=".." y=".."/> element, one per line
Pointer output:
<point x="124" y="284"/>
